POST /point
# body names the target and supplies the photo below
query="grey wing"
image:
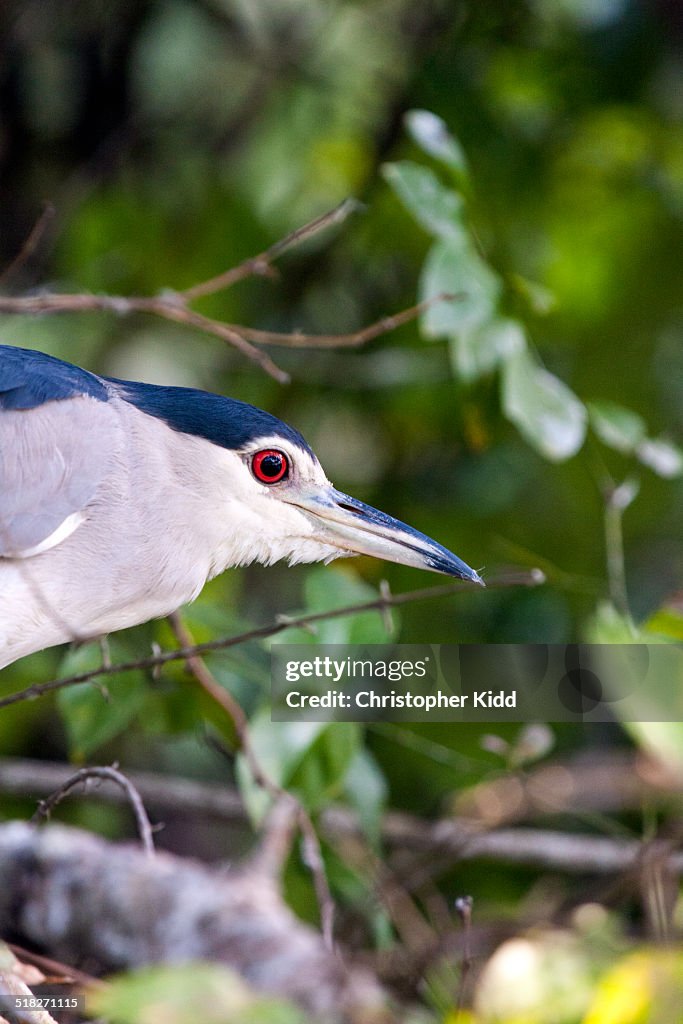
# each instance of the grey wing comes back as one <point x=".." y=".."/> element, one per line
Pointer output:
<point x="52" y="459"/>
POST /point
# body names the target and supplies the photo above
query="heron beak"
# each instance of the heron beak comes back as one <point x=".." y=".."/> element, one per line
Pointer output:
<point x="351" y="525"/>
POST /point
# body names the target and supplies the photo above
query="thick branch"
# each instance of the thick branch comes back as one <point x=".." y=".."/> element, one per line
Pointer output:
<point x="455" y="838"/>
<point x="83" y="899"/>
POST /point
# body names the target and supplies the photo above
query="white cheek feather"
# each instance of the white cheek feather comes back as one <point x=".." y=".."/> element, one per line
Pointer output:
<point x="210" y="510"/>
<point x="249" y="521"/>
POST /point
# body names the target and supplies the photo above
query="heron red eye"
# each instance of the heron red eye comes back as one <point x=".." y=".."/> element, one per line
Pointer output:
<point x="270" y="466"/>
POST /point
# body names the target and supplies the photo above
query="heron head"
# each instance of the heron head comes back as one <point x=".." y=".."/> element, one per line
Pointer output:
<point x="300" y="515"/>
<point x="275" y="500"/>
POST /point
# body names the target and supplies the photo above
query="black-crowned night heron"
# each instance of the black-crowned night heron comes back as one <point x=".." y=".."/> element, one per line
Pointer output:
<point x="119" y="500"/>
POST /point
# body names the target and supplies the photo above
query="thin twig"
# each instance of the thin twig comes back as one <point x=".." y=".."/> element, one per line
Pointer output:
<point x="353" y="340"/>
<point x="312" y="851"/>
<point x="55" y="970"/>
<point x="174" y="305"/>
<point x="32" y="241"/>
<point x="112" y="774"/>
<point x="171" y="306"/>
<point x="31" y="777"/>
<point x="659" y="888"/>
<point x="259" y="265"/>
<point x="463" y="908"/>
<point x="387" y="618"/>
<point x="614" y="544"/>
<point x="525" y="579"/>
<point x="169" y="309"/>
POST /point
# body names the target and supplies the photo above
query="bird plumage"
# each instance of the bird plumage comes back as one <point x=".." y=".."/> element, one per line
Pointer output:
<point x="119" y="500"/>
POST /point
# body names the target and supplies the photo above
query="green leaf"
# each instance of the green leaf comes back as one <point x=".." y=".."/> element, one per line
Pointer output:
<point x="334" y="587"/>
<point x="661" y="456"/>
<point x="609" y="626"/>
<point x="545" y="411"/>
<point x="616" y="426"/>
<point x="431" y="133"/>
<point x="322" y="772"/>
<point x="478" y="352"/>
<point x="667" y="622"/>
<point x="96" y="712"/>
<point x="453" y="267"/>
<point x="309" y="758"/>
<point x="438" y="209"/>
<point x="659" y="697"/>
<point x="186" y="993"/>
<point x="365" y="789"/>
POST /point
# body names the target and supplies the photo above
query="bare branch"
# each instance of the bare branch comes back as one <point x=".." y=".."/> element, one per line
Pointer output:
<point x="455" y="838"/>
<point x="169" y="306"/>
<point x="276" y="848"/>
<point x="354" y="340"/>
<point x="111" y="774"/>
<point x="260" y="265"/>
<point x="169" y="309"/>
<point x="83" y="899"/>
<point x="532" y="578"/>
<point x="174" y="305"/>
<point x="28" y="777"/>
<point x="54" y="970"/>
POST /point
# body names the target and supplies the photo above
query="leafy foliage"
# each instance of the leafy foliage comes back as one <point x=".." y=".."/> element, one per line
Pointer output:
<point x="546" y="412"/>
<point x="186" y="992"/>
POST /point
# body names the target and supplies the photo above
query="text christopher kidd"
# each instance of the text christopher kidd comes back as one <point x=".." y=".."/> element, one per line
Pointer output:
<point x="395" y="699"/>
